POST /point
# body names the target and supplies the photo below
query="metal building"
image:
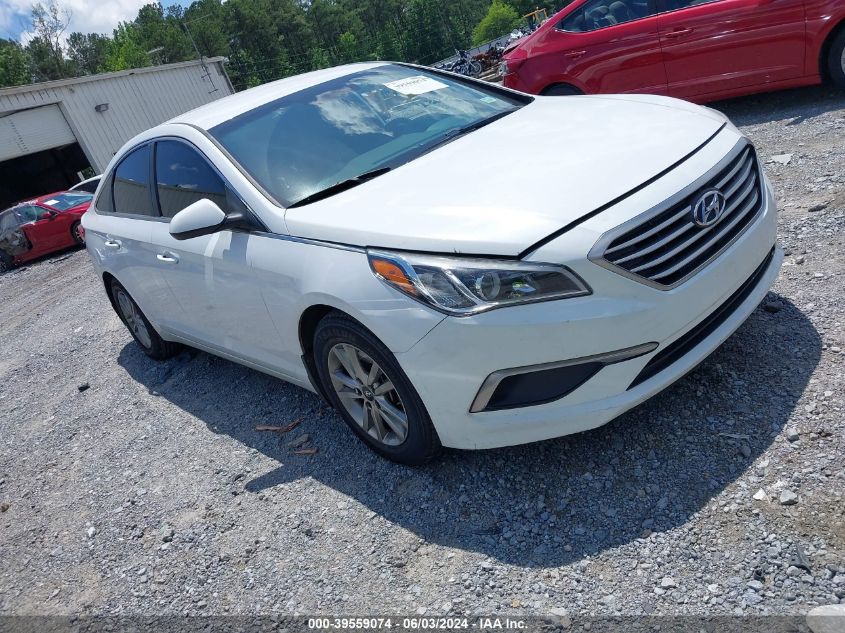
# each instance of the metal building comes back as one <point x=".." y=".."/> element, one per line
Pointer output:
<point x="50" y="132"/>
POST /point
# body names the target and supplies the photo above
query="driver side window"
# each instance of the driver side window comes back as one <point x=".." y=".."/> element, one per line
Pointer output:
<point x="183" y="177"/>
<point x="30" y="213"/>
<point x="600" y="14"/>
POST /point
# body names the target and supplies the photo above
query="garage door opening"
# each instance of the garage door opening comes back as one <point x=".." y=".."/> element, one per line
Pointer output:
<point x="42" y="172"/>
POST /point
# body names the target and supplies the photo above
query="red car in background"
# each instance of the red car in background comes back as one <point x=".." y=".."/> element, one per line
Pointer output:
<point x="38" y="227"/>
<point x="700" y="50"/>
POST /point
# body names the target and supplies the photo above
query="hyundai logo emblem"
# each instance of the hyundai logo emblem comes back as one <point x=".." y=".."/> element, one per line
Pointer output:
<point x="708" y="207"/>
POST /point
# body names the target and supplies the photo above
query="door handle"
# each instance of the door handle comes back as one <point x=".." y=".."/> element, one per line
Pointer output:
<point x="167" y="258"/>
<point x="575" y="54"/>
<point x="112" y="244"/>
<point x="678" y="33"/>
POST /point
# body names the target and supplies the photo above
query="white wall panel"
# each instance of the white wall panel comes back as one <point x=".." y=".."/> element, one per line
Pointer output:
<point x="30" y="131"/>
<point x="137" y="100"/>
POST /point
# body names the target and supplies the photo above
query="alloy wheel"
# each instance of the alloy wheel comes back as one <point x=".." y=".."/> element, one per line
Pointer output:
<point x="133" y="318"/>
<point x="79" y="233"/>
<point x="368" y="394"/>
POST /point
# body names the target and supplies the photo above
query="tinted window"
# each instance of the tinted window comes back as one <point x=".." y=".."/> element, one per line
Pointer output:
<point x="306" y="142"/>
<point x="65" y="201"/>
<point x="30" y="213"/>
<point x="599" y="14"/>
<point x="183" y="177"/>
<point x="131" y="184"/>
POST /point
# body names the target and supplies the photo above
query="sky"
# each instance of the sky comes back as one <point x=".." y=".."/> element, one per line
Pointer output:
<point x="86" y="16"/>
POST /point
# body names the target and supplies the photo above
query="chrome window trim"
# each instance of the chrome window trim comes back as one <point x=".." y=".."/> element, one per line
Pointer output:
<point x="597" y="252"/>
<point x="488" y="387"/>
<point x="154" y="185"/>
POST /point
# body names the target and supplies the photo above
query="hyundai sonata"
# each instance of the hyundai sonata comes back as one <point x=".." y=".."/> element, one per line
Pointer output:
<point x="447" y="262"/>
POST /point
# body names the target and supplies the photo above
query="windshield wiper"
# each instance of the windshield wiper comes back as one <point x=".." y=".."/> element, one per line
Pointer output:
<point x="340" y="187"/>
<point x="451" y="135"/>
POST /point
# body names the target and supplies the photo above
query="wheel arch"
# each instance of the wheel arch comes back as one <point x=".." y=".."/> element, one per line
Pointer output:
<point x="839" y="28"/>
<point x="561" y="84"/>
<point x="308" y="322"/>
<point x="108" y="278"/>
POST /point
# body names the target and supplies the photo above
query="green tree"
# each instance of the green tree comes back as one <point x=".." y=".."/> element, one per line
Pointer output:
<point x="126" y="50"/>
<point x="49" y="21"/>
<point x="500" y="19"/>
<point x="14" y="64"/>
<point x="88" y="52"/>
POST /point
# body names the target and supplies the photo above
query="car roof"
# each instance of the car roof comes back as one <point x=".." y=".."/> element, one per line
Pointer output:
<point x="216" y="112"/>
<point x="40" y="200"/>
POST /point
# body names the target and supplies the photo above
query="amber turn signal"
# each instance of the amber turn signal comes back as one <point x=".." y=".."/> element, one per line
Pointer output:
<point x="392" y="273"/>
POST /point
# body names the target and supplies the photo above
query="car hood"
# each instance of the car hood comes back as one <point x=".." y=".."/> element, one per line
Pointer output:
<point x="505" y="187"/>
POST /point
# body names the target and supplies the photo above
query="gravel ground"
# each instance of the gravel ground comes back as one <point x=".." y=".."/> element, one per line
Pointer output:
<point x="152" y="492"/>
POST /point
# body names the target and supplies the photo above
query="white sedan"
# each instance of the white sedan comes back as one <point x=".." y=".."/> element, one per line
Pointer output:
<point x="447" y="262"/>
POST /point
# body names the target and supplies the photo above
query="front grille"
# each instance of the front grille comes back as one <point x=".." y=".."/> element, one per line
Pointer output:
<point x="689" y="341"/>
<point x="669" y="247"/>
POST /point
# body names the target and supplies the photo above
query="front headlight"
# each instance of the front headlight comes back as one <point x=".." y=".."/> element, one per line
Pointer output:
<point x="464" y="286"/>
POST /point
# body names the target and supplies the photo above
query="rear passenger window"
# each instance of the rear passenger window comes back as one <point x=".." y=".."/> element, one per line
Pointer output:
<point x="600" y="14"/>
<point x="132" y="184"/>
<point x="183" y="177"/>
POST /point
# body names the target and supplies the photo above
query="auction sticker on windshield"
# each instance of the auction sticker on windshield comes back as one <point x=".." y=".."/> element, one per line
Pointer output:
<point x="417" y="85"/>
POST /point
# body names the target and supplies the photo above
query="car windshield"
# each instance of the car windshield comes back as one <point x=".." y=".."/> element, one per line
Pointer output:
<point x="67" y="200"/>
<point x="355" y="127"/>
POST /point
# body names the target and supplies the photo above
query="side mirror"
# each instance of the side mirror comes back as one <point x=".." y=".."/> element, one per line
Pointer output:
<point x="47" y="215"/>
<point x="203" y="217"/>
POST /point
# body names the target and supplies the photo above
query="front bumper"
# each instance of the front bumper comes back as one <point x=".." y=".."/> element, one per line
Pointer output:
<point x="450" y="364"/>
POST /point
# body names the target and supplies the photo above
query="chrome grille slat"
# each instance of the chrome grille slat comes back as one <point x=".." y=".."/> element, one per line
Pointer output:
<point x="702" y="232"/>
<point x="667" y="247"/>
<point x="740" y="181"/>
<point x="684" y="229"/>
<point x="704" y="247"/>
<point x="649" y="233"/>
<point x="743" y="158"/>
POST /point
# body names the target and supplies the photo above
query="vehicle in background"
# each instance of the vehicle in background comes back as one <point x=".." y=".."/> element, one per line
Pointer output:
<point x="699" y="50"/>
<point x="314" y="229"/>
<point x="89" y="185"/>
<point x="35" y="228"/>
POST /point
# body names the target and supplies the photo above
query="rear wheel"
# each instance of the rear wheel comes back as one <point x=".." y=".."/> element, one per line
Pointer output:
<point x="77" y="233"/>
<point x="561" y="90"/>
<point x="372" y="393"/>
<point x="6" y="263"/>
<point x="836" y="60"/>
<point x="139" y="327"/>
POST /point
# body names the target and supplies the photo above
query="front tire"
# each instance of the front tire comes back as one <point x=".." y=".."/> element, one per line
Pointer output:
<point x="139" y="327"/>
<point x="77" y="233"/>
<point x="367" y="386"/>
<point x="836" y="60"/>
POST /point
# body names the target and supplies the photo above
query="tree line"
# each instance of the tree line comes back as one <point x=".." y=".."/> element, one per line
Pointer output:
<point x="263" y="39"/>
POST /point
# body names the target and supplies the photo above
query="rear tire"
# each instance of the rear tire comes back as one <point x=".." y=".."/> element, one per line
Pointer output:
<point x="836" y="60"/>
<point x="561" y="90"/>
<point x="374" y="396"/>
<point x="6" y="262"/>
<point x="77" y="233"/>
<point x="139" y="327"/>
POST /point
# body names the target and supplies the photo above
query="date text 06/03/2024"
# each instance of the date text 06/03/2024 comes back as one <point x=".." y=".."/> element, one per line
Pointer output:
<point x="417" y="623"/>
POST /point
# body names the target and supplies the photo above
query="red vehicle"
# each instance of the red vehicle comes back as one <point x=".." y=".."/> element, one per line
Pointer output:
<point x="38" y="227"/>
<point x="700" y="50"/>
